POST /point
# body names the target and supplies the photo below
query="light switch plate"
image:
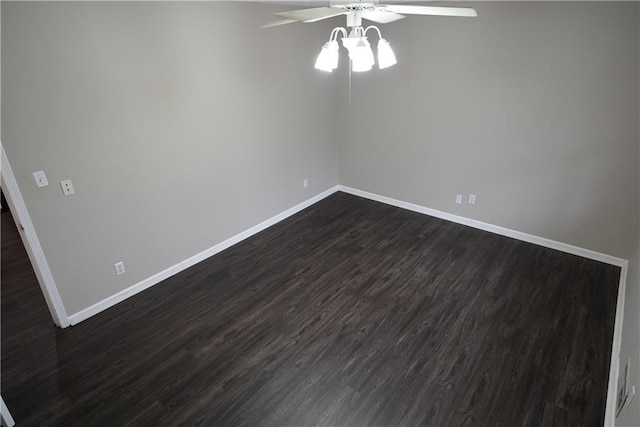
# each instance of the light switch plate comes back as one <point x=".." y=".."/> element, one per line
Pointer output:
<point x="41" y="179"/>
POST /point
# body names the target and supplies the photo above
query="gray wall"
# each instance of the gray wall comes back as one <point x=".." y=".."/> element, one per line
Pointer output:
<point x="180" y="124"/>
<point x="533" y="107"/>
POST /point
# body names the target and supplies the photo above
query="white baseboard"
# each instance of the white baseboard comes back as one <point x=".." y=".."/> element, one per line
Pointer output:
<point x="5" y="415"/>
<point x="616" y="349"/>
<point x="496" y="229"/>
<point x="614" y="366"/>
<point x="165" y="274"/>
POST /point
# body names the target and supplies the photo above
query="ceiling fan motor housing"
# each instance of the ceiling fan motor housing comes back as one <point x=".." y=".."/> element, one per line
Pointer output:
<point x="354" y="18"/>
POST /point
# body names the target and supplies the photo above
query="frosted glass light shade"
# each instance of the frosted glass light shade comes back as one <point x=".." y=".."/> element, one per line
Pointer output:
<point x="360" y="53"/>
<point x="328" y="57"/>
<point x="386" y="58"/>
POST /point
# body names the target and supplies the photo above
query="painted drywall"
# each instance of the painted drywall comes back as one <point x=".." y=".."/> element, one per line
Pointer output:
<point x="533" y="107"/>
<point x="180" y="125"/>
<point x="631" y="333"/>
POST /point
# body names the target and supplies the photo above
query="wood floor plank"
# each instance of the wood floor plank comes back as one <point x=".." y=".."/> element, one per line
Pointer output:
<point x="348" y="313"/>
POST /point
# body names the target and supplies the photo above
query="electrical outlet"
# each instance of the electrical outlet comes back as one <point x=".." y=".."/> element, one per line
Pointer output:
<point x="119" y="266"/>
<point x="459" y="199"/>
<point x="305" y="183"/>
<point x="67" y="187"/>
<point x="41" y="179"/>
<point x="472" y="199"/>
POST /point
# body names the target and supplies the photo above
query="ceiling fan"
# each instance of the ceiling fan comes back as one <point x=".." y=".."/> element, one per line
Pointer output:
<point x="355" y="41"/>
<point x="370" y="10"/>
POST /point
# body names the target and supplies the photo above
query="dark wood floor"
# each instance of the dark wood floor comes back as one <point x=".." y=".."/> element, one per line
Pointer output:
<point x="348" y="313"/>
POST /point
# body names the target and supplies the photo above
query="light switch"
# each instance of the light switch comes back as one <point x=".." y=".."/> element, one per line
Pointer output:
<point x="41" y="179"/>
<point x="67" y="187"/>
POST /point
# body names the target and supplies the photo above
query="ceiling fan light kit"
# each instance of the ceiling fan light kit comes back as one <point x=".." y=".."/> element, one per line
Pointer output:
<point x="359" y="48"/>
<point x="360" y="54"/>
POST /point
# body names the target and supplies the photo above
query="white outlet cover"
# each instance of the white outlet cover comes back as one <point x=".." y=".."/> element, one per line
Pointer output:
<point x="472" y="199"/>
<point x="459" y="199"/>
<point x="305" y="183"/>
<point x="67" y="187"/>
<point x="119" y="266"/>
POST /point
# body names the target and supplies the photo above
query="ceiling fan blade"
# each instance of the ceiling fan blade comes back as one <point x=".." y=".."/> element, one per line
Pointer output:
<point x="380" y="16"/>
<point x="280" y="22"/>
<point x="312" y="15"/>
<point x="431" y="10"/>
